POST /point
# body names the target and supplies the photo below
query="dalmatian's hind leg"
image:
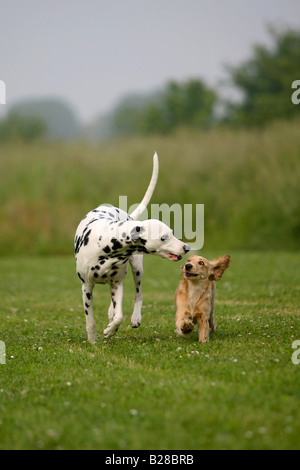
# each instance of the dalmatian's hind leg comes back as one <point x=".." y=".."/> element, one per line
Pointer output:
<point x="115" y="311"/>
<point x="136" y="263"/>
<point x="87" y="297"/>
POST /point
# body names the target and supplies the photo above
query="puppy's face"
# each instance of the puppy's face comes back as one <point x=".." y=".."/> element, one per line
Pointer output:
<point x="198" y="268"/>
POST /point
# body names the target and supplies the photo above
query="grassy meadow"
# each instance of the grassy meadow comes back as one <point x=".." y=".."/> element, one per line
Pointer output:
<point x="146" y="388"/>
<point x="247" y="180"/>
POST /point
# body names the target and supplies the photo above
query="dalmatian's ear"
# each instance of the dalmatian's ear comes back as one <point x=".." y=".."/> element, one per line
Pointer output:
<point x="136" y="233"/>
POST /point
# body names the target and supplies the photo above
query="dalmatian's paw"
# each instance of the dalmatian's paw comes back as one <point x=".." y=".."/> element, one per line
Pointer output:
<point x="136" y="319"/>
<point x="92" y="336"/>
<point x="110" y="331"/>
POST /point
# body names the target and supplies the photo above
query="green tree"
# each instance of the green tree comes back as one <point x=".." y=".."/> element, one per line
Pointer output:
<point x="265" y="80"/>
<point x="188" y="104"/>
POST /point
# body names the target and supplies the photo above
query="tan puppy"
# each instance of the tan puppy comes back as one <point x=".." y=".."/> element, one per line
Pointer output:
<point x="195" y="296"/>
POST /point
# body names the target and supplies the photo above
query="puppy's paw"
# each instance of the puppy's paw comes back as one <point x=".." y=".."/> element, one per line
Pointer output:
<point x="185" y="328"/>
<point x="204" y="340"/>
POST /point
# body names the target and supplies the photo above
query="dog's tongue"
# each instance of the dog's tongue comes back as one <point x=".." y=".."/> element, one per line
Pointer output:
<point x="174" y="257"/>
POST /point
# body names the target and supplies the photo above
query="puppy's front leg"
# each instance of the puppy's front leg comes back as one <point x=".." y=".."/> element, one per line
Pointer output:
<point x="203" y="323"/>
<point x="184" y="320"/>
<point x="117" y="301"/>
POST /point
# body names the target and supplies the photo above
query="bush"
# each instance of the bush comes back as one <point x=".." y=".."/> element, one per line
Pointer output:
<point x="15" y="127"/>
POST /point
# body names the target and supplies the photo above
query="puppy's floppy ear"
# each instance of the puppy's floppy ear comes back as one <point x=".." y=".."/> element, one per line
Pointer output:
<point x="135" y="233"/>
<point x="218" y="266"/>
<point x="181" y="269"/>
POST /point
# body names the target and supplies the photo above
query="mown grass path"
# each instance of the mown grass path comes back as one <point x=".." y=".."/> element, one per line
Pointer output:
<point x="147" y="388"/>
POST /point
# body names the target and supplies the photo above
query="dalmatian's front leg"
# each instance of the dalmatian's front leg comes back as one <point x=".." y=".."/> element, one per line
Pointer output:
<point x="136" y="262"/>
<point x="87" y="297"/>
<point x="111" y="311"/>
<point x="116" y="315"/>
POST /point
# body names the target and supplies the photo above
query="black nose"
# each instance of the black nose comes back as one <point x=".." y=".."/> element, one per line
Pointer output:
<point x="188" y="267"/>
<point x="186" y="248"/>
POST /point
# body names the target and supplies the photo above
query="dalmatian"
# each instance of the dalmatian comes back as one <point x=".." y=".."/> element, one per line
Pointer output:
<point x="107" y="240"/>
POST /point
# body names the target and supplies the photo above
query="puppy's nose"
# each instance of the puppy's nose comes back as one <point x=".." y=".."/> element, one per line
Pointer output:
<point x="186" y="248"/>
<point x="188" y="267"/>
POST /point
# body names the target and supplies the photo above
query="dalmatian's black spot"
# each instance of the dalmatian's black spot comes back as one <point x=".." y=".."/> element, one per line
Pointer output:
<point x="87" y="305"/>
<point x="86" y="312"/>
<point x="116" y="244"/>
<point x="137" y="290"/>
<point x="91" y="222"/>
<point x="102" y="261"/>
<point x="77" y="244"/>
<point x="97" y="267"/>
<point x="142" y="249"/>
<point x="114" y="303"/>
<point x="107" y="249"/>
<point x="104" y="276"/>
<point x="95" y="274"/>
<point x="86" y="237"/>
<point x="138" y="273"/>
<point x="82" y="280"/>
<point x="100" y="238"/>
<point x="89" y="296"/>
<point x="93" y="268"/>
<point x="102" y="258"/>
<point x="114" y="273"/>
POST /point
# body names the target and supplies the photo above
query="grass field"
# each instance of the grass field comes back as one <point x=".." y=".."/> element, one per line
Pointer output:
<point x="147" y="388"/>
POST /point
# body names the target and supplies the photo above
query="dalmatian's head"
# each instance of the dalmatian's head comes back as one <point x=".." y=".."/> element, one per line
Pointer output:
<point x="158" y="239"/>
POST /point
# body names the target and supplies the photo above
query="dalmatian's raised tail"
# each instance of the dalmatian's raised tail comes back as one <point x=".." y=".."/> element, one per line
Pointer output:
<point x="143" y="205"/>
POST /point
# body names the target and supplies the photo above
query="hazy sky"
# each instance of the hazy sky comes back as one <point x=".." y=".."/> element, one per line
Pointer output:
<point x="92" y="52"/>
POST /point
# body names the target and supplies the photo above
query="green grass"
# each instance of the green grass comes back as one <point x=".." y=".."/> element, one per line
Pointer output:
<point x="147" y="388"/>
